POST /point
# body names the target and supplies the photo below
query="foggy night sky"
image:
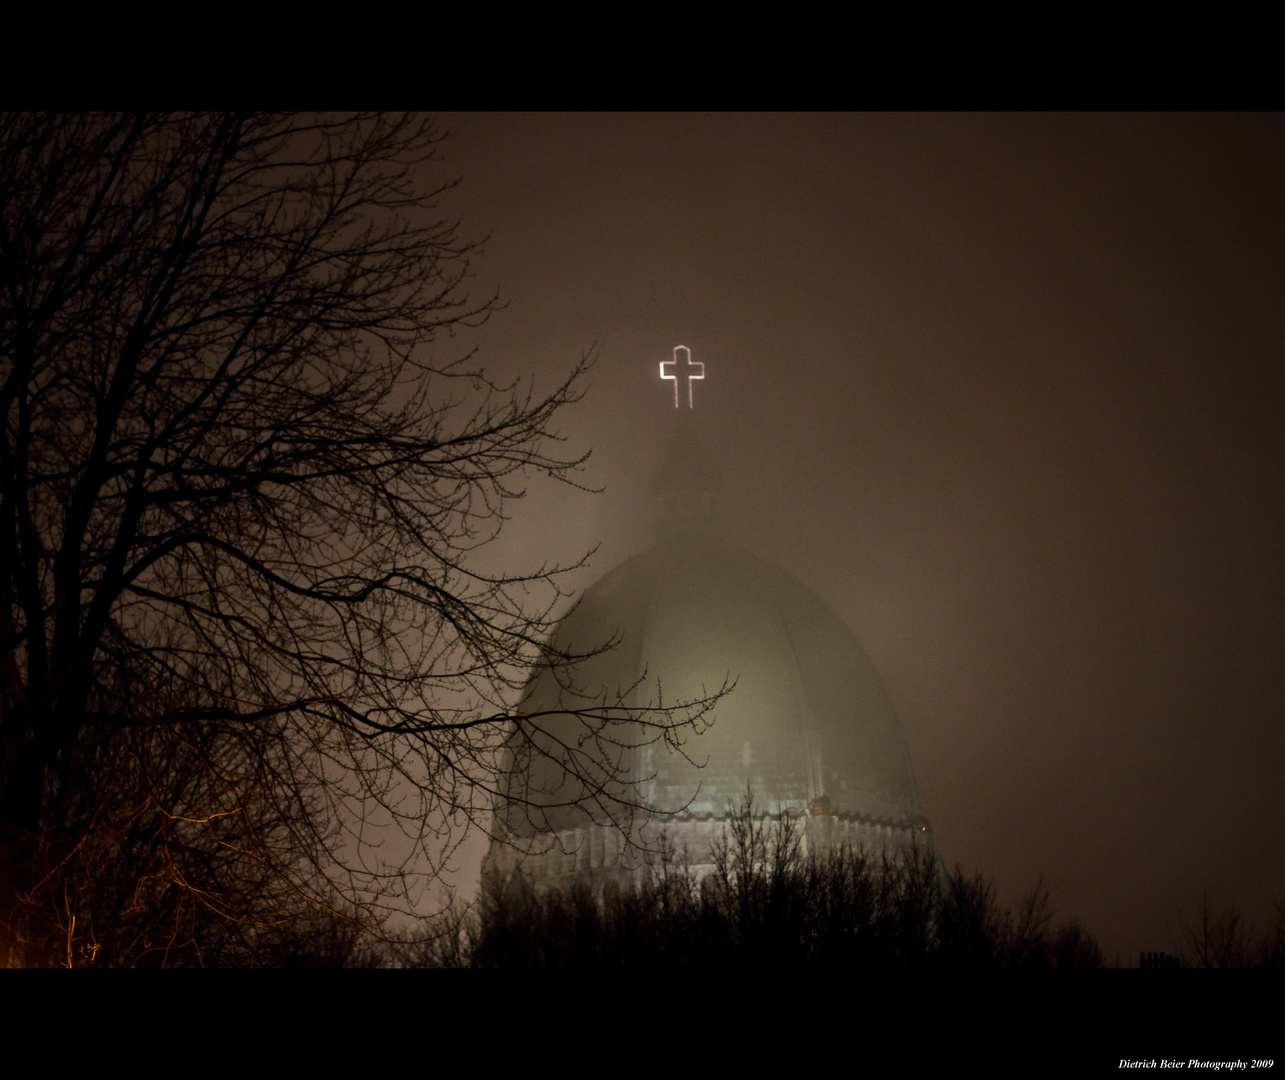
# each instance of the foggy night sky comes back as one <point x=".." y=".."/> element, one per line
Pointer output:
<point x="1005" y="391"/>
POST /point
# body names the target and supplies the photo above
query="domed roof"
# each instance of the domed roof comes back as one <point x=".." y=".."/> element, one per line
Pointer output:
<point x="808" y="717"/>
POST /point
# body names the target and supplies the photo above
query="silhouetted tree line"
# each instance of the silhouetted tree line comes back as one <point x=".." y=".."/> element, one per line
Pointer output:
<point x="766" y="903"/>
<point x="1226" y="939"/>
<point x="769" y="903"/>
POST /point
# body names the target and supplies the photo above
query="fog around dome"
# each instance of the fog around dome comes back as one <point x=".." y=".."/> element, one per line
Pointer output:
<point x="808" y="716"/>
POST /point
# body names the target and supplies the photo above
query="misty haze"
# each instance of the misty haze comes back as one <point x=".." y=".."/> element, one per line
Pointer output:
<point x="1006" y="393"/>
<point x="924" y="472"/>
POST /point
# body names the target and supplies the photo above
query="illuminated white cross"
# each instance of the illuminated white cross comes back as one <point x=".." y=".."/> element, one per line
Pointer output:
<point x="682" y="372"/>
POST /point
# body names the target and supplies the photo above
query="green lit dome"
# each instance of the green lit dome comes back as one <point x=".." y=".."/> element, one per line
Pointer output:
<point x="808" y="727"/>
<point x="808" y="724"/>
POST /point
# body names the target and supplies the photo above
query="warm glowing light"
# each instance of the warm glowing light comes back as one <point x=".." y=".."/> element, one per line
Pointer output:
<point x="682" y="372"/>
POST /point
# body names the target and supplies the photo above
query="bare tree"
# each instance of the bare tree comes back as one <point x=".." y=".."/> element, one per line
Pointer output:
<point x="238" y="494"/>
<point x="1216" y="939"/>
<point x="1271" y="947"/>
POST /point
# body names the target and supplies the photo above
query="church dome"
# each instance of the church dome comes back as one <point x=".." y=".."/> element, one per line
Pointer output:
<point x="808" y="724"/>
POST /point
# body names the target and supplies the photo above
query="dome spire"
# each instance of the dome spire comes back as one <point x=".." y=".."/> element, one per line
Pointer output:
<point x="687" y="486"/>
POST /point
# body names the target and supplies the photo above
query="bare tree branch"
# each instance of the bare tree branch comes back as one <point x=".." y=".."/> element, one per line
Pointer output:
<point x="239" y="490"/>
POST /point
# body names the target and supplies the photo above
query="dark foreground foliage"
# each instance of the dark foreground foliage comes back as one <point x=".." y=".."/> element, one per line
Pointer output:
<point x="1226" y="939"/>
<point x="766" y="902"/>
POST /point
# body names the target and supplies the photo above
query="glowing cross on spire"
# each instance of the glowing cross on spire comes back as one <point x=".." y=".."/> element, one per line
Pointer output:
<point x="682" y="370"/>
